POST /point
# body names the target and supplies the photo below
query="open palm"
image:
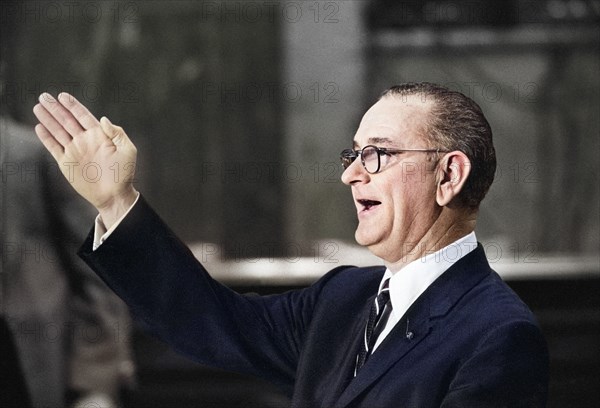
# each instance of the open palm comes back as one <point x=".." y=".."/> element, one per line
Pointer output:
<point x="96" y="157"/>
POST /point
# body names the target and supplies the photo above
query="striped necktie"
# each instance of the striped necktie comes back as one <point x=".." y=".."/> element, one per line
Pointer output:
<point x="377" y="319"/>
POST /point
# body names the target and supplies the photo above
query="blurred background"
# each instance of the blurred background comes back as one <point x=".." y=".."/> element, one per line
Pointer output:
<point x="239" y="110"/>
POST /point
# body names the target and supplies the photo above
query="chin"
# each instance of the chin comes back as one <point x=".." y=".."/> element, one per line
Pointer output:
<point x="363" y="239"/>
<point x="359" y="238"/>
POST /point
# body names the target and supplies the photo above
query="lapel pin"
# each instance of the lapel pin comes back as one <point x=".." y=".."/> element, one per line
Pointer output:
<point x="409" y="334"/>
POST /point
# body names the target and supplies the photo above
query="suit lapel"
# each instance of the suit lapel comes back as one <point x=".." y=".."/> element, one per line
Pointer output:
<point x="395" y="346"/>
<point x="346" y="368"/>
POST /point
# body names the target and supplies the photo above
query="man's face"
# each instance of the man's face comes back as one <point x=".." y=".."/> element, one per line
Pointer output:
<point x="397" y="206"/>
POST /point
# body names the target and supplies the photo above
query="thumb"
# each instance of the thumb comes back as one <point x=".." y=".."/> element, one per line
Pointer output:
<point x="115" y="133"/>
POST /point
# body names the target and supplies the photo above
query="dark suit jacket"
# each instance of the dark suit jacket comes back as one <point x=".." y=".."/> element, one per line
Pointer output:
<point x="468" y="341"/>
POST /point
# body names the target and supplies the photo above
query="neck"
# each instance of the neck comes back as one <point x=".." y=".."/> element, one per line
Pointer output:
<point x="446" y="229"/>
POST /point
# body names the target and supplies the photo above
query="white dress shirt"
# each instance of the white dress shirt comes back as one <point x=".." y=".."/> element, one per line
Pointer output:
<point x="100" y="231"/>
<point x="407" y="284"/>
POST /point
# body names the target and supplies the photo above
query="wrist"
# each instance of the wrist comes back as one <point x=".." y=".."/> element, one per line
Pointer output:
<point x="117" y="207"/>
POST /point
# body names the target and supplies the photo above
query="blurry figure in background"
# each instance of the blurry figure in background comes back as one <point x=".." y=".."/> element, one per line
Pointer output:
<point x="71" y="332"/>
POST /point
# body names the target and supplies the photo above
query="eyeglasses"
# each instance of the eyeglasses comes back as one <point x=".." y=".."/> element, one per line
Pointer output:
<point x="371" y="156"/>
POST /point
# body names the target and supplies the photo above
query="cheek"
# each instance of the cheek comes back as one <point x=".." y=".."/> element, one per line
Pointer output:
<point x="412" y="197"/>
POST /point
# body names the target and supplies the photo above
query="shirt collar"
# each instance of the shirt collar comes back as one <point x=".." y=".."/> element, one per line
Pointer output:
<point x="407" y="284"/>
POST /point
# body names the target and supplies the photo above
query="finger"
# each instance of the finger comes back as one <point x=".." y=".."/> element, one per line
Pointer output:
<point x="115" y="133"/>
<point x="62" y="115"/>
<point x="80" y="112"/>
<point x="51" y="125"/>
<point x="55" y="148"/>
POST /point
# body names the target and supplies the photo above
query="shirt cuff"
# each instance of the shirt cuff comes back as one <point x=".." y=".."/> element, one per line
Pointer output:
<point x="100" y="232"/>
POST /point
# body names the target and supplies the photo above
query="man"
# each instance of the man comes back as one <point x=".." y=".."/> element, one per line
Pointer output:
<point x="434" y="327"/>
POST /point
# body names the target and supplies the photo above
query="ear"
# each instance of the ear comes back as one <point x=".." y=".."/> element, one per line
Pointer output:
<point x="453" y="171"/>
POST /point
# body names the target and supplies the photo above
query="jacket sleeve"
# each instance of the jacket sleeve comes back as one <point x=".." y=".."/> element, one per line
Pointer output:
<point x="509" y="368"/>
<point x="174" y="296"/>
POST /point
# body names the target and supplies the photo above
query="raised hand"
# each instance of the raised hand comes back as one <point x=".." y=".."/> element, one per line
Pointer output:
<point x="96" y="157"/>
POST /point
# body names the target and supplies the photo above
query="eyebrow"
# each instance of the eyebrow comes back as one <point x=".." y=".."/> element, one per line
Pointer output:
<point x="375" y="140"/>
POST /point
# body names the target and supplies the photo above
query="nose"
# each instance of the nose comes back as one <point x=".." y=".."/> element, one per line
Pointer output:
<point x="355" y="173"/>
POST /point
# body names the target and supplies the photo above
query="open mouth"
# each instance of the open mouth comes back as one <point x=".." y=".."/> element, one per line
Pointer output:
<point x="368" y="204"/>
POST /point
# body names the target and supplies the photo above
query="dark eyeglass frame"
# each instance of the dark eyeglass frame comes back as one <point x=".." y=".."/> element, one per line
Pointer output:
<point x="347" y="156"/>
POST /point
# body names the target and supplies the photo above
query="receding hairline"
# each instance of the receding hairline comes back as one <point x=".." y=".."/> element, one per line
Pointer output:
<point x="425" y="101"/>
